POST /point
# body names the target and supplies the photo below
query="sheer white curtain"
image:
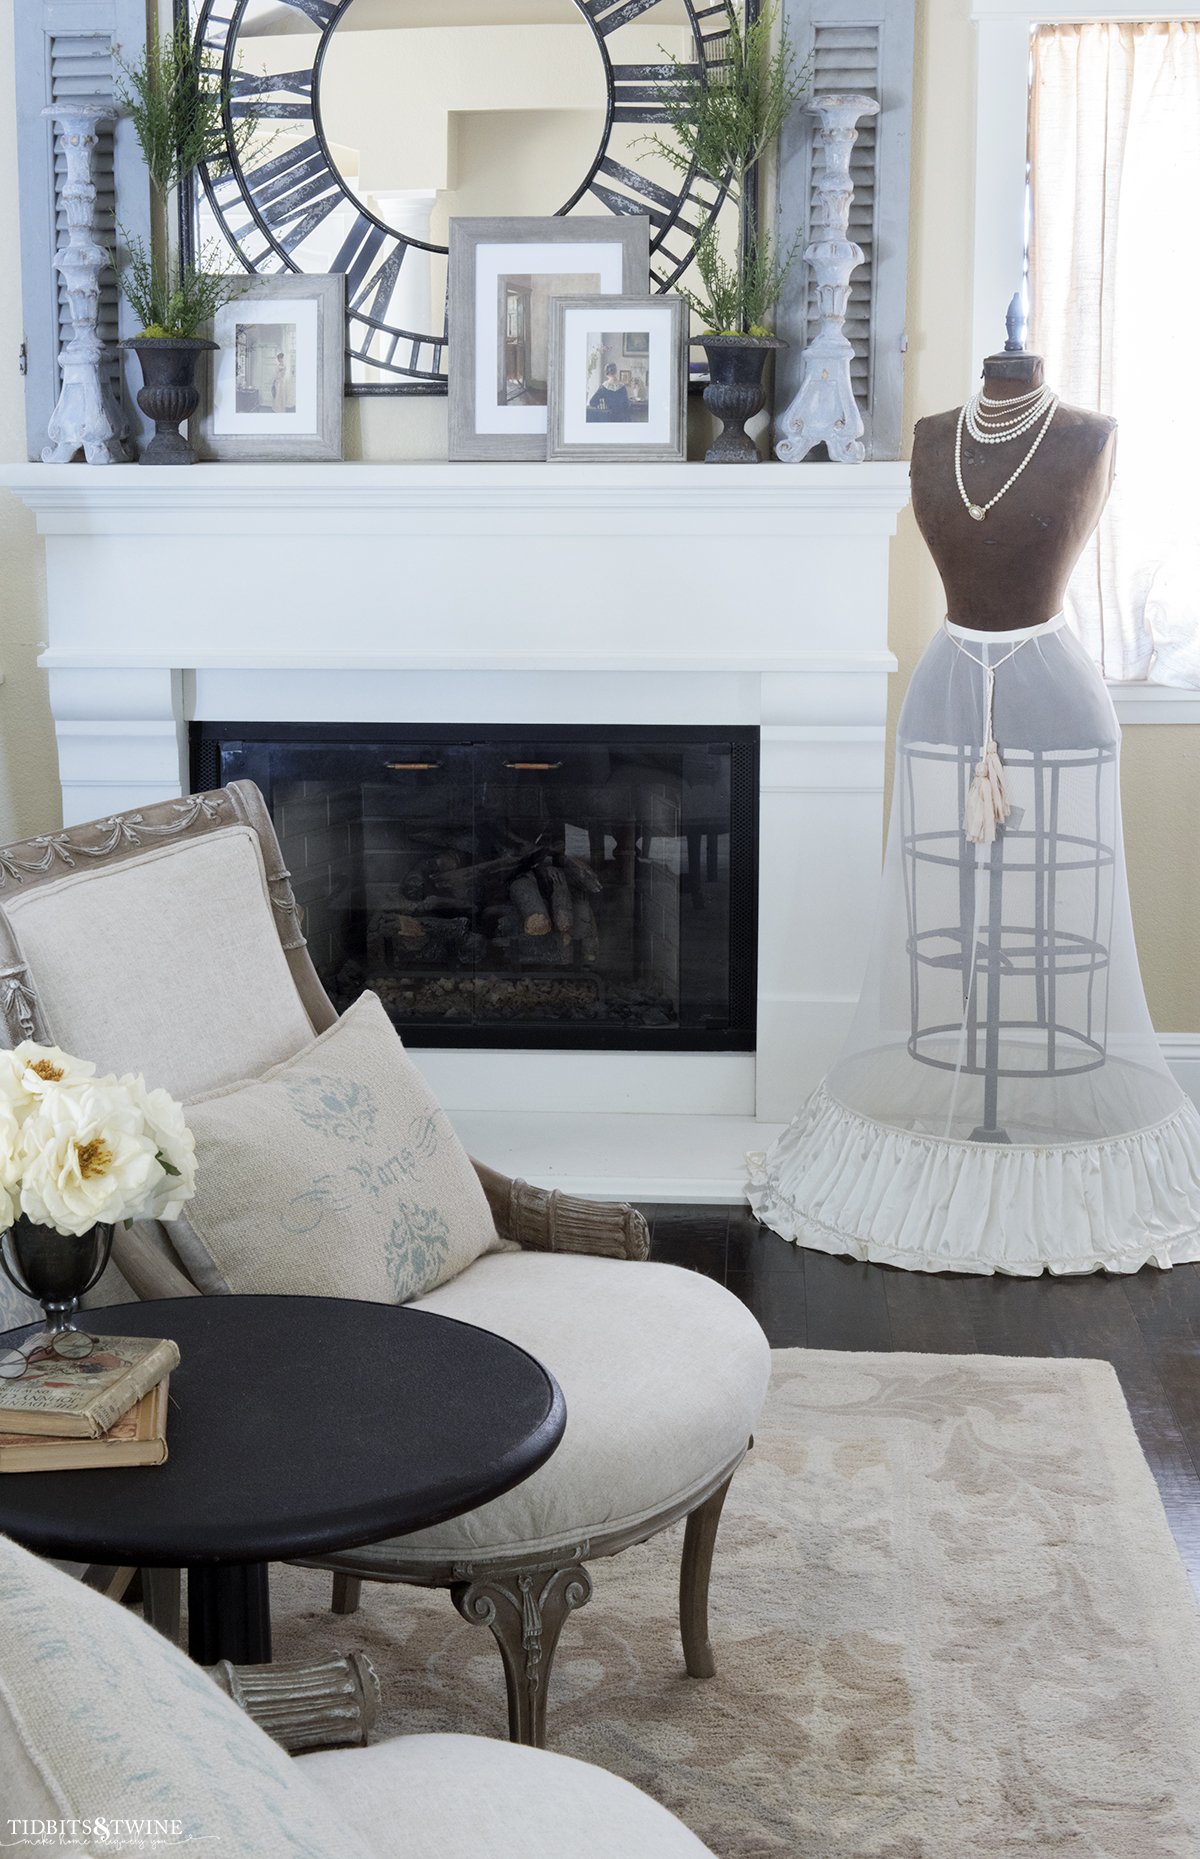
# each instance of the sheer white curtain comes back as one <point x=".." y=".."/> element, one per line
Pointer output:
<point x="1115" y="273"/>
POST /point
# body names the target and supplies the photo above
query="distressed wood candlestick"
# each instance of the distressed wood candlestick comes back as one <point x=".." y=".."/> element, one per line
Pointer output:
<point x="824" y="410"/>
<point x="87" y="418"/>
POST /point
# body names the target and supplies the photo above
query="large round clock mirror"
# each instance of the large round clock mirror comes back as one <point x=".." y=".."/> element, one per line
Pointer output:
<point x="380" y="120"/>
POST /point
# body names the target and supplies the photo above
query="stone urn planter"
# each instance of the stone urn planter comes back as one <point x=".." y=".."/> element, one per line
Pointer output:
<point x="736" y="392"/>
<point x="170" y="394"/>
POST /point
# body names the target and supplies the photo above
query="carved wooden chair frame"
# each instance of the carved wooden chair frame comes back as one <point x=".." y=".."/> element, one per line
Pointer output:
<point x="524" y="1601"/>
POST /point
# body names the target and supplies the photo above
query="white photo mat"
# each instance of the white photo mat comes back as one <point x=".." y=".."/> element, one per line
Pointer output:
<point x="299" y="398"/>
<point x="303" y="316"/>
<point x="493" y="262"/>
<point x="578" y="326"/>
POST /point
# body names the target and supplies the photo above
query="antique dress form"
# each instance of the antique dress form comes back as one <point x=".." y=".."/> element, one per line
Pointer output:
<point x="1019" y="559"/>
<point x="1001" y="1103"/>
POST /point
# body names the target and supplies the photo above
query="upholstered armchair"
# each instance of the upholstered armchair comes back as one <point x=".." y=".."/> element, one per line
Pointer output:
<point x="167" y="941"/>
<point x="105" y="1725"/>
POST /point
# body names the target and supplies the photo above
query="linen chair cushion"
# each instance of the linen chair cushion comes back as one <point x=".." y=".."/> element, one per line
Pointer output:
<point x="190" y="924"/>
<point x="333" y="1175"/>
<point x="102" y="1716"/>
<point x="467" y="1797"/>
<point x="664" y="1375"/>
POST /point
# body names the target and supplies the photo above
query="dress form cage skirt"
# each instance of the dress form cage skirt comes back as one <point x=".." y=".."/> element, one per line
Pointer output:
<point x="1002" y="1103"/>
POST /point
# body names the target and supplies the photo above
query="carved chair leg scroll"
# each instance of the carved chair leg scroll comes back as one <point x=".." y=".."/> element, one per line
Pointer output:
<point x="526" y="1604"/>
<point x="699" y="1539"/>
<point x="525" y="1609"/>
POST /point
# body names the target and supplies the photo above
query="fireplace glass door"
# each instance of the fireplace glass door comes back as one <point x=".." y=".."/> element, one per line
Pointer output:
<point x="587" y="888"/>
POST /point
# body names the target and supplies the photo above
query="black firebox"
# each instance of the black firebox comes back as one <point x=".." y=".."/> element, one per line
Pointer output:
<point x="565" y="888"/>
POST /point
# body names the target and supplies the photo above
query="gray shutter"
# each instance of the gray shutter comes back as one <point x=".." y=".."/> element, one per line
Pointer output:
<point x="64" y="49"/>
<point x="864" y="46"/>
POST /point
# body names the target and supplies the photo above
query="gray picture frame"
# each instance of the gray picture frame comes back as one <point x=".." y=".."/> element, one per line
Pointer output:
<point x="561" y="391"/>
<point x="630" y="232"/>
<point x="325" y="442"/>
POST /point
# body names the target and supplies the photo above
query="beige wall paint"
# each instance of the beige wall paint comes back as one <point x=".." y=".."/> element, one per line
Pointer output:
<point x="28" y="766"/>
<point x="1161" y="765"/>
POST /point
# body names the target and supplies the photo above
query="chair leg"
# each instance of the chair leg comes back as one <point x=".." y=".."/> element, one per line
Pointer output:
<point x="526" y="1610"/>
<point x="107" y="1579"/>
<point x="160" y="1601"/>
<point x="699" y="1537"/>
<point x="347" y="1593"/>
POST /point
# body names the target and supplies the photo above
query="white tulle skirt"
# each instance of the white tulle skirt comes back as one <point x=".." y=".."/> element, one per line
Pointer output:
<point x="1002" y="1103"/>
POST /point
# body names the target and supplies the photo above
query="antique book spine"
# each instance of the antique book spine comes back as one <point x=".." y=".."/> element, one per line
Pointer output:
<point x="84" y="1410"/>
<point x="137" y="1438"/>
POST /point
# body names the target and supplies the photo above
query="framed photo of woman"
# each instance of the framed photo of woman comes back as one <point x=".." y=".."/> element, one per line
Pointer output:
<point x="617" y="380"/>
<point x="273" y="387"/>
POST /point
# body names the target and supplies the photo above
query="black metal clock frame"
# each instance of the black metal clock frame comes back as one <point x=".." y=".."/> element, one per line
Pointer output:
<point x="282" y="200"/>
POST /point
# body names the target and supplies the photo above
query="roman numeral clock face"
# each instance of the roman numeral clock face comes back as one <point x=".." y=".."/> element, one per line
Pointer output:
<point x="377" y="121"/>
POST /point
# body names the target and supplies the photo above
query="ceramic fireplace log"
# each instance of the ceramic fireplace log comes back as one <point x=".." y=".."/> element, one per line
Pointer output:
<point x="526" y="894"/>
<point x="561" y="908"/>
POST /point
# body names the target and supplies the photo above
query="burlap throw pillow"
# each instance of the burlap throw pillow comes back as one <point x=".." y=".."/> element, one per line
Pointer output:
<point x="335" y="1174"/>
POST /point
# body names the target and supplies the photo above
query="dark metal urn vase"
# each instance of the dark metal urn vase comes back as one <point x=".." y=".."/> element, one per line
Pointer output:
<point x="170" y="394"/>
<point x="735" y="393"/>
<point x="55" y="1269"/>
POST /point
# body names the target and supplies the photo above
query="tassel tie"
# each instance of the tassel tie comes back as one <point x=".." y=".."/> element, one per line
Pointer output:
<point x="987" y="806"/>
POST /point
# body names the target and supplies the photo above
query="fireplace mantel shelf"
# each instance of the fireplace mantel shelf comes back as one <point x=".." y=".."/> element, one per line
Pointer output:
<point x="528" y="664"/>
<point x="64" y="496"/>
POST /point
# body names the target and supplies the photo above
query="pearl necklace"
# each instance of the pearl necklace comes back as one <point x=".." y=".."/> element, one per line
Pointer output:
<point x="1010" y="400"/>
<point x="978" y="511"/>
<point x="987" y="429"/>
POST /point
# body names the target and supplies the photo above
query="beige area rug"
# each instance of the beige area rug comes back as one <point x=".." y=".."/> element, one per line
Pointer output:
<point x="949" y="1621"/>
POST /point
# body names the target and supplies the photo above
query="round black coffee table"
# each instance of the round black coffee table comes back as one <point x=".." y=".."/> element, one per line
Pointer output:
<point x="297" y="1425"/>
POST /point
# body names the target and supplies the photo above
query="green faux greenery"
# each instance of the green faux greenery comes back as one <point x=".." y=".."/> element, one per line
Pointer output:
<point x="176" y="100"/>
<point x="724" y="120"/>
<point x="172" y="299"/>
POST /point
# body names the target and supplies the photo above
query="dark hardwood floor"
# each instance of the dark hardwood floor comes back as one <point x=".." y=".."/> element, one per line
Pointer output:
<point x="1147" y="1326"/>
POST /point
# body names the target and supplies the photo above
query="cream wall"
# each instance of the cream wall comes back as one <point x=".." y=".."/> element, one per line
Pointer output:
<point x="28" y="768"/>
<point x="1161" y="764"/>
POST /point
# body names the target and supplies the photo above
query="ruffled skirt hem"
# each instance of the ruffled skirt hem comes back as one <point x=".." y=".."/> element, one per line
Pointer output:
<point x="843" y="1183"/>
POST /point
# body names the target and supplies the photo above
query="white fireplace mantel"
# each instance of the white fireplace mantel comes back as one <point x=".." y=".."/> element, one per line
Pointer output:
<point x="479" y="593"/>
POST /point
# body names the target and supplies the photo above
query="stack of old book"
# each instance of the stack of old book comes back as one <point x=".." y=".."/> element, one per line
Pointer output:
<point x="69" y="1412"/>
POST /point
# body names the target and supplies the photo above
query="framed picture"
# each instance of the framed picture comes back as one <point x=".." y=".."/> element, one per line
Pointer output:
<point x="504" y="275"/>
<point x="273" y="387"/>
<point x="618" y="380"/>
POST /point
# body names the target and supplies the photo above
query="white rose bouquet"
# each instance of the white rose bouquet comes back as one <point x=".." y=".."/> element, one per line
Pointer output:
<point x="77" y="1150"/>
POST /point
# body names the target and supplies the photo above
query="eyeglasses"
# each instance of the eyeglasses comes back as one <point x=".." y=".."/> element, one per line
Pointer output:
<point x="65" y="1346"/>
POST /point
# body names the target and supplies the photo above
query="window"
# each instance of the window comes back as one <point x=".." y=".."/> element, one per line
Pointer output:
<point x="1114" y="146"/>
<point x="1150" y="298"/>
